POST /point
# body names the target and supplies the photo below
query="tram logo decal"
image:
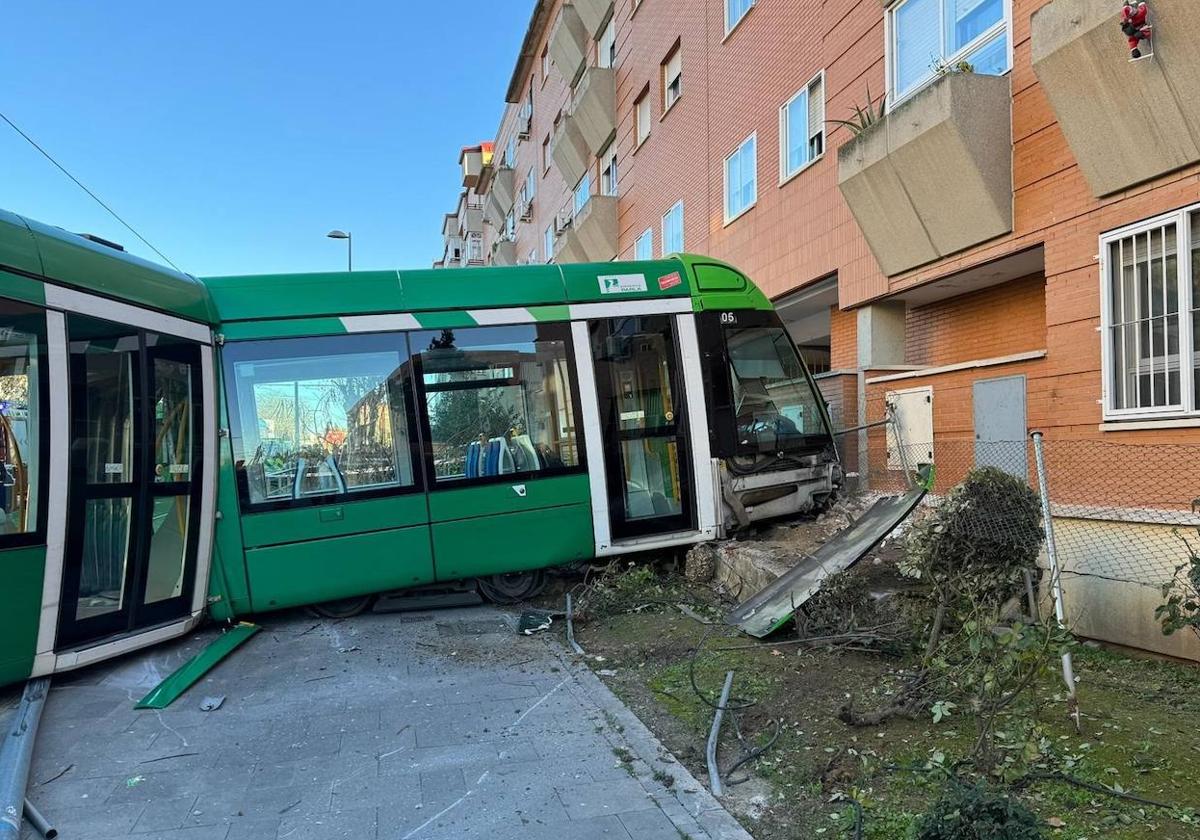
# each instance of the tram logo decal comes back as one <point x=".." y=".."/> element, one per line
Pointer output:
<point x="615" y="284"/>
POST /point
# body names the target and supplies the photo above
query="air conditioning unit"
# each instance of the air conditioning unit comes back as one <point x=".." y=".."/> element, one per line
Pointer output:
<point x="564" y="220"/>
<point x="525" y="209"/>
<point x="524" y="121"/>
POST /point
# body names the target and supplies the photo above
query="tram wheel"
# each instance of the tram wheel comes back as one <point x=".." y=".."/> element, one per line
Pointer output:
<point x="343" y="607"/>
<point x="512" y="588"/>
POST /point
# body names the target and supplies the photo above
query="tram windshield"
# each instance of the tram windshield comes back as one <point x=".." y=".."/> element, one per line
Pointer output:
<point x="775" y="405"/>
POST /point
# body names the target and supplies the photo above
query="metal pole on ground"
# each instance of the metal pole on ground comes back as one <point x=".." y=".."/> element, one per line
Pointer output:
<point x="1060" y="612"/>
<point x="39" y="822"/>
<point x="714" y="735"/>
<point x="16" y="756"/>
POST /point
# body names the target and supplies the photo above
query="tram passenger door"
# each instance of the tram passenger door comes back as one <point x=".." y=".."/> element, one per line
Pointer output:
<point x="135" y="459"/>
<point x="642" y="409"/>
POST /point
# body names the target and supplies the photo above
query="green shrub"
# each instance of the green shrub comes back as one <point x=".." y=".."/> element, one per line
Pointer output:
<point x="978" y="812"/>
<point x="980" y="538"/>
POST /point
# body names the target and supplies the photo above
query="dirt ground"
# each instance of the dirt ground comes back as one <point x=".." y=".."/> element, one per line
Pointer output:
<point x="1141" y="720"/>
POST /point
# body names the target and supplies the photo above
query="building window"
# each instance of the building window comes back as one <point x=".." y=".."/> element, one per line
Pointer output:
<point x="672" y="229"/>
<point x="23" y="413"/>
<point x="548" y="242"/>
<point x="546" y="154"/>
<point x="498" y="400"/>
<point x="642" y="115"/>
<point x="532" y="258"/>
<point x="545" y="64"/>
<point x="741" y="179"/>
<point x="643" y="247"/>
<point x="735" y="10"/>
<point x="802" y="128"/>
<point x="926" y="37"/>
<point x="315" y="417"/>
<point x="475" y="248"/>
<point x="672" y="77"/>
<point x="608" y="177"/>
<point x="510" y="152"/>
<point x="1151" y="317"/>
<point x="582" y="193"/>
<point x="510" y="226"/>
<point x="606" y="46"/>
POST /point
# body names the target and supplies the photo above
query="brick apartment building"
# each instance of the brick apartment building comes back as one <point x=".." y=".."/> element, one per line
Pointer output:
<point x="1008" y="248"/>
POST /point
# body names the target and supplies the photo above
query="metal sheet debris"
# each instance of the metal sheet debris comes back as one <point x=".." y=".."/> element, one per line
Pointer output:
<point x="184" y="677"/>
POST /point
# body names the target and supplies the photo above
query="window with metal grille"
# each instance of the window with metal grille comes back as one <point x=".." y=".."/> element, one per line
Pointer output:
<point x="1151" y="324"/>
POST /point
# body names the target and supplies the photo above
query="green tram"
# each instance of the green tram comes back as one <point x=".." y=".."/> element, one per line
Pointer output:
<point x="173" y="448"/>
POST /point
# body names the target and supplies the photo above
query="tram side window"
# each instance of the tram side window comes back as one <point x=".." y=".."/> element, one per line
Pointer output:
<point x="499" y="400"/>
<point x="320" y="416"/>
<point x="22" y="369"/>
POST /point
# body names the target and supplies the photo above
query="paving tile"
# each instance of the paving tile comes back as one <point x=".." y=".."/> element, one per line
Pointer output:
<point x="350" y="824"/>
<point x="163" y="814"/>
<point x="597" y="799"/>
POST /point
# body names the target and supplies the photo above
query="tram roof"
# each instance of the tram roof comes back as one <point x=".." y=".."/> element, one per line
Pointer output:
<point x="68" y="259"/>
<point x="269" y="296"/>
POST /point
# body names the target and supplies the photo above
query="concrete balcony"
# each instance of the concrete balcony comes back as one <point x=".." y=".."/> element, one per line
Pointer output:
<point x="569" y="41"/>
<point x="470" y="219"/>
<point x="569" y="150"/>
<point x="934" y="176"/>
<point x="594" y="14"/>
<point x="504" y="252"/>
<point x="1126" y="122"/>
<point x="595" y="106"/>
<point x="500" y="196"/>
<point x="472" y="161"/>
<point x="592" y="234"/>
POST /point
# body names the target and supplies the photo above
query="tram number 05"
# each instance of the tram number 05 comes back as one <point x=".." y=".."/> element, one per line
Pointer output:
<point x="728" y="318"/>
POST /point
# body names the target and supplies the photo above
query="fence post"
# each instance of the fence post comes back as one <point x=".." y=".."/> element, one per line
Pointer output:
<point x="1060" y="612"/>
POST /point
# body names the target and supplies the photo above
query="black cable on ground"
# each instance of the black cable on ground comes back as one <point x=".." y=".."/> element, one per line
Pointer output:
<point x="1057" y="776"/>
<point x="756" y="752"/>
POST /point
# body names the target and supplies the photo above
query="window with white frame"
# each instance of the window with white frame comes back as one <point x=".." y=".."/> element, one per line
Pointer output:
<point x="581" y="193"/>
<point x="643" y="246"/>
<point x="530" y="185"/>
<point x="548" y="242"/>
<point x="929" y="37"/>
<point x="735" y="10"/>
<point x="606" y="45"/>
<point x="545" y="64"/>
<point x="741" y="178"/>
<point x="608" y="176"/>
<point x="642" y="116"/>
<point x="532" y="258"/>
<point x="510" y="226"/>
<point x="802" y="128"/>
<point x="1151" y="317"/>
<point x="510" y="152"/>
<point x="672" y="77"/>
<point x="672" y="229"/>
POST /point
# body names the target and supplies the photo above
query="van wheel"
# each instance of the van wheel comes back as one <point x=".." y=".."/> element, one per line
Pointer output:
<point x="513" y="587"/>
<point x="343" y="607"/>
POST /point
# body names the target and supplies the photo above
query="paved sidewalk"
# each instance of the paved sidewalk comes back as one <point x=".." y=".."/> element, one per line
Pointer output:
<point x="426" y="726"/>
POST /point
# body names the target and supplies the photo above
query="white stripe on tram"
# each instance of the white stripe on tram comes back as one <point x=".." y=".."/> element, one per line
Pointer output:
<point x="615" y="309"/>
<point x="380" y="323"/>
<point x="494" y="317"/>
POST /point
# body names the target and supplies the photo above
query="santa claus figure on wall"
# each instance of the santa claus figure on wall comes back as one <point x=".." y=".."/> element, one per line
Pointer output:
<point x="1134" y="25"/>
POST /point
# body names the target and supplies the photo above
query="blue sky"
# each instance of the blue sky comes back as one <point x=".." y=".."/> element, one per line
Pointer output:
<point x="235" y="135"/>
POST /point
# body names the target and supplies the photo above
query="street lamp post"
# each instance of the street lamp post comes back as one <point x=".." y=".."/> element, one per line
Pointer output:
<point x="341" y="234"/>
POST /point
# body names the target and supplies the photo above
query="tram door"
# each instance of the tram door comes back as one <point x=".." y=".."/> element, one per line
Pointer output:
<point x="642" y="411"/>
<point x="135" y="475"/>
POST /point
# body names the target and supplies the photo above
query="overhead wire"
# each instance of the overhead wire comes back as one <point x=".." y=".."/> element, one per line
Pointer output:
<point x="84" y="187"/>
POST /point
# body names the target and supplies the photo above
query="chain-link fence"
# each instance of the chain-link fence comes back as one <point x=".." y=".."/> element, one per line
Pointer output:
<point x="1122" y="513"/>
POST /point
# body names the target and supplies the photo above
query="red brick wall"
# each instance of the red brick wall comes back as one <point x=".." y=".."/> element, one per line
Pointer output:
<point x="998" y="321"/>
